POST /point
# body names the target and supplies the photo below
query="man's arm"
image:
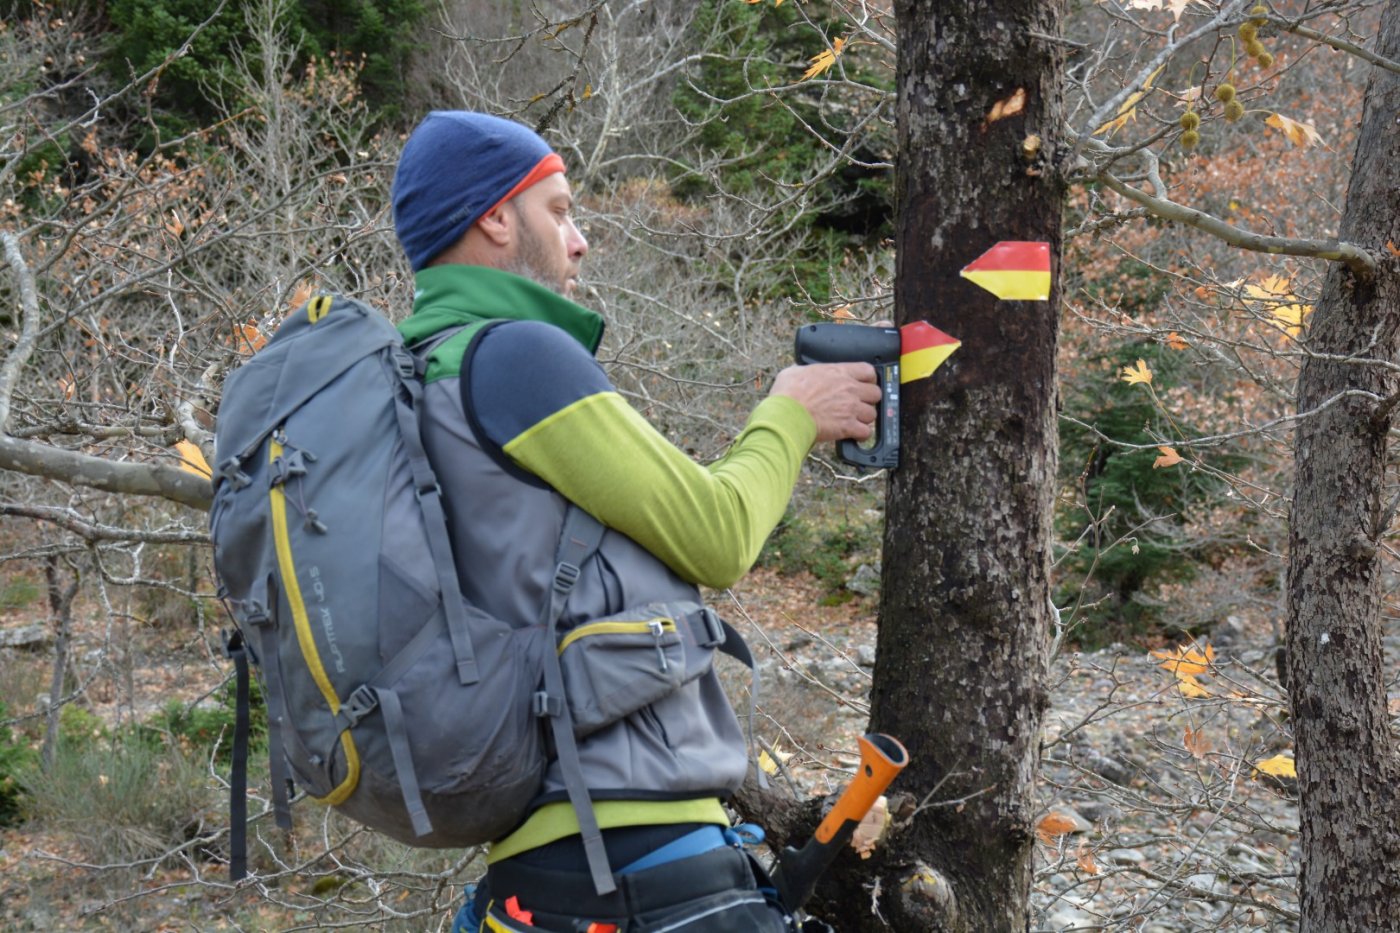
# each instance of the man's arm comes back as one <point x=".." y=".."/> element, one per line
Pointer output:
<point x="548" y="405"/>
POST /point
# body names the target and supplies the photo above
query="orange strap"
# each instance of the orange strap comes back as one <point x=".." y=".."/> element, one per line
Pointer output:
<point x="514" y="911"/>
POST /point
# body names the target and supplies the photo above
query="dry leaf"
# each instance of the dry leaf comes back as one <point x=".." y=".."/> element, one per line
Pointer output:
<point x="842" y="313"/>
<point x="1176" y="341"/>
<point x="824" y="59"/>
<point x="1054" y="825"/>
<point x="304" y="291"/>
<point x="251" y="337"/>
<point x="871" y="827"/>
<point x="1128" y="109"/>
<point x="1007" y="108"/>
<point x="1085" y="860"/>
<point x="68" y="386"/>
<point x="1168" y="458"/>
<point x="192" y="459"/>
<point x="1390" y="245"/>
<point x="1187" y="660"/>
<point x="1279" y="766"/>
<point x="1196" y="743"/>
<point x="1140" y="373"/>
<point x="1298" y="133"/>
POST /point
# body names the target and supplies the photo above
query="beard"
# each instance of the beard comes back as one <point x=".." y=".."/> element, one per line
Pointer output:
<point x="534" y="261"/>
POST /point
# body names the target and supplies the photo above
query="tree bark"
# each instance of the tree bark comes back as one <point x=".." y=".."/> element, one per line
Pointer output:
<point x="1346" y="758"/>
<point x="965" y="602"/>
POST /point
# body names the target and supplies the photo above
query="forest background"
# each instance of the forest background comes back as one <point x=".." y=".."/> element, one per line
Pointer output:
<point x="174" y="179"/>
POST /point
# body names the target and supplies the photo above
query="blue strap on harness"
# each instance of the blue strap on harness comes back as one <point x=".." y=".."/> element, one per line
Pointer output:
<point x="705" y="839"/>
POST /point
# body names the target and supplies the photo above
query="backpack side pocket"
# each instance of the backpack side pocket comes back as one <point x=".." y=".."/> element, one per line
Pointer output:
<point x="617" y="665"/>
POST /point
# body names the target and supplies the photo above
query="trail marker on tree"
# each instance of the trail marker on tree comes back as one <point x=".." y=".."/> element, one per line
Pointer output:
<point x="1013" y="270"/>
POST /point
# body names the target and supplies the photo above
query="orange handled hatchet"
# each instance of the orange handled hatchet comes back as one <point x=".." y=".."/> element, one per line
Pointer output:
<point x="881" y="758"/>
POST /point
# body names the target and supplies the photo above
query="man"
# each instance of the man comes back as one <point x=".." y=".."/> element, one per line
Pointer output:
<point x="520" y="422"/>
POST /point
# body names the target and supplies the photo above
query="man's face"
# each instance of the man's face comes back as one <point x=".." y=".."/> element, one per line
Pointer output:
<point x="547" y="247"/>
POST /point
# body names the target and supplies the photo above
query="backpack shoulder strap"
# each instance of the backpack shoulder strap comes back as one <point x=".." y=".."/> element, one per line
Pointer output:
<point x="578" y="541"/>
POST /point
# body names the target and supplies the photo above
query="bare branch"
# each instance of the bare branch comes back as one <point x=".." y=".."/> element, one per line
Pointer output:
<point x="1360" y="262"/>
<point x="29" y="331"/>
<point x="134" y="479"/>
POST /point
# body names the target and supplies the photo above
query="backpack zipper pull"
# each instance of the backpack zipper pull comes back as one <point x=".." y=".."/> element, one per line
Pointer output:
<point x="657" y="630"/>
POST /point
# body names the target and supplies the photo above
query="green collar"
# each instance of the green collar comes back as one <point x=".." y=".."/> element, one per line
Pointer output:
<point x="455" y="295"/>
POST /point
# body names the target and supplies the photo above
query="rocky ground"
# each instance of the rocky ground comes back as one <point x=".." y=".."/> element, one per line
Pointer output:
<point x="1155" y="816"/>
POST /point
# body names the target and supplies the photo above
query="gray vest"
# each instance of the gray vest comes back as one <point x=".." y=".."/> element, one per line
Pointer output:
<point x="504" y="532"/>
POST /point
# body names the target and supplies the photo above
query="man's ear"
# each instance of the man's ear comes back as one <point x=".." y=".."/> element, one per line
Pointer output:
<point x="498" y="225"/>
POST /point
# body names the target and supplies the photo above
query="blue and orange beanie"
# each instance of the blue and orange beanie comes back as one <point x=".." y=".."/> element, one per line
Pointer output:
<point x="456" y="167"/>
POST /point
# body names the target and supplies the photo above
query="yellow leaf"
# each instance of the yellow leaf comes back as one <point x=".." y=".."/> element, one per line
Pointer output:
<point x="1169" y="458"/>
<point x="1008" y="107"/>
<point x="1140" y="373"/>
<point x="1299" y="134"/>
<point x="1176" y="341"/>
<point x="1128" y="109"/>
<point x="767" y="762"/>
<point x="1290" y="318"/>
<point x="192" y="460"/>
<point x="1278" y="766"/>
<point x="1187" y="660"/>
<point x="824" y="59"/>
<point x="1191" y="687"/>
<point x="1274" y="297"/>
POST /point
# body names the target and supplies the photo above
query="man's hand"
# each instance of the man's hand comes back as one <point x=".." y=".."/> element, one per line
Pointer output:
<point x="840" y="397"/>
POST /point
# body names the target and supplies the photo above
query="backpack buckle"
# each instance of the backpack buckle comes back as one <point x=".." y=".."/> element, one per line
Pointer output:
<point x="714" y="629"/>
<point x="357" y="706"/>
<point x="255" y="613"/>
<point x="565" y="576"/>
<point x="231" y="472"/>
<point x="407" y="365"/>
<point x="542" y="704"/>
<point x="233" y="645"/>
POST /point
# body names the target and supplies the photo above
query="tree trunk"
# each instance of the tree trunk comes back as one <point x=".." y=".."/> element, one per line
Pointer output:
<point x="965" y="601"/>
<point x="61" y="605"/>
<point x="1347" y="764"/>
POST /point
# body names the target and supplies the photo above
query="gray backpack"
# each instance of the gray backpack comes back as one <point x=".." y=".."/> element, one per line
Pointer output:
<point x="388" y="696"/>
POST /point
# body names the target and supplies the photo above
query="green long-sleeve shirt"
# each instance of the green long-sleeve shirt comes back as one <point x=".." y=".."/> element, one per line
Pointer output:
<point x="541" y="399"/>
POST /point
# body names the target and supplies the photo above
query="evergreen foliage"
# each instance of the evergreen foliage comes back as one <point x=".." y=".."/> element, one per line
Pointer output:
<point x="755" y="144"/>
<point x="17" y="757"/>
<point x="1132" y="535"/>
<point x="190" y="88"/>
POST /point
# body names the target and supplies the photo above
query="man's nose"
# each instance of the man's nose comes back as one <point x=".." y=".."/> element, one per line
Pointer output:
<point x="578" y="246"/>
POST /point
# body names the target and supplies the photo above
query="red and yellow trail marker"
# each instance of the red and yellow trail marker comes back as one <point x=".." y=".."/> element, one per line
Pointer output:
<point x="1013" y="270"/>
<point x="922" y="349"/>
